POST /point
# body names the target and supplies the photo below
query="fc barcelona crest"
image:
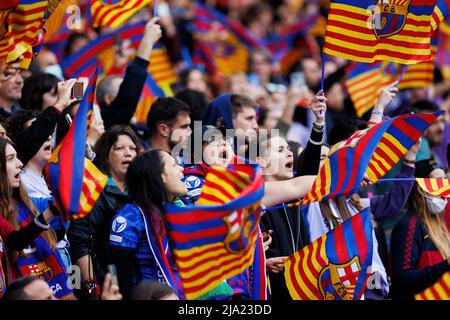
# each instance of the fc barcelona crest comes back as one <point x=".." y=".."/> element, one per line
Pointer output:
<point x="338" y="281"/>
<point x="389" y="17"/>
<point x="241" y="226"/>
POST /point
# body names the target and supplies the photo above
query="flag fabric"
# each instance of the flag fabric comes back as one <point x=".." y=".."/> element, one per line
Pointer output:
<point x="370" y="30"/>
<point x="436" y="187"/>
<point x="343" y="170"/>
<point x="364" y="83"/>
<point x="114" y="13"/>
<point x="150" y="92"/>
<point x="443" y="51"/>
<point x="440" y="12"/>
<point x="25" y="30"/>
<point x="439" y="291"/>
<point x="221" y="44"/>
<point x="336" y="265"/>
<point x="75" y="181"/>
<point x="215" y="239"/>
<point x="83" y="62"/>
<point x="162" y="69"/>
<point x="374" y="150"/>
<point x="401" y="135"/>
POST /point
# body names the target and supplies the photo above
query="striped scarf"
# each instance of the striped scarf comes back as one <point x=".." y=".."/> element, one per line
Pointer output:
<point x="43" y="263"/>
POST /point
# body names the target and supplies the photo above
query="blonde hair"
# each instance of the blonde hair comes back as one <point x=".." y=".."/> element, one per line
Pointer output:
<point x="434" y="223"/>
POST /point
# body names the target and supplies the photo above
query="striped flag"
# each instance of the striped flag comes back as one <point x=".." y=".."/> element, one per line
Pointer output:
<point x="370" y="30"/>
<point x="221" y="44"/>
<point x="336" y="265"/>
<point x="401" y="135"/>
<point x="374" y="150"/>
<point x="439" y="291"/>
<point x="83" y="62"/>
<point x="114" y="13"/>
<point x="25" y="30"/>
<point x="436" y="187"/>
<point x="150" y="92"/>
<point x="440" y="13"/>
<point x="162" y="69"/>
<point x="215" y="239"/>
<point x="343" y="170"/>
<point x="364" y="83"/>
<point x="75" y="181"/>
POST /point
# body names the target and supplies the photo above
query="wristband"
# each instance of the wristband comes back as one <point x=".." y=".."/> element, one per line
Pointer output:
<point x="318" y="126"/>
<point x="381" y="114"/>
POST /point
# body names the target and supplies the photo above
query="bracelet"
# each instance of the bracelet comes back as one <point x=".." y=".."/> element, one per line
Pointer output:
<point x="381" y="114"/>
<point x="318" y="126"/>
<point x="409" y="161"/>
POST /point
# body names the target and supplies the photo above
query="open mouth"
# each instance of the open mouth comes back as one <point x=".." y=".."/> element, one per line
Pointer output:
<point x="48" y="148"/>
<point x="127" y="162"/>
<point x="17" y="176"/>
<point x="290" y="165"/>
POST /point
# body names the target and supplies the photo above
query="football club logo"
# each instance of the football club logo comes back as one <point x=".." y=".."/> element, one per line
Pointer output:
<point x="338" y="281"/>
<point x="389" y="17"/>
<point x="119" y="224"/>
<point x="350" y="142"/>
<point x="241" y="226"/>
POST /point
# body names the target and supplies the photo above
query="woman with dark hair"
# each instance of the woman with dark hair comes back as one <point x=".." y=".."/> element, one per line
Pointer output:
<point x="420" y="242"/>
<point x="40" y="258"/>
<point x="139" y="245"/>
<point x="154" y="290"/>
<point x="39" y="92"/>
<point x="89" y="236"/>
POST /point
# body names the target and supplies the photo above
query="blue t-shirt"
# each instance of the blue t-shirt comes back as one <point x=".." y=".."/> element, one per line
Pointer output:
<point x="128" y="231"/>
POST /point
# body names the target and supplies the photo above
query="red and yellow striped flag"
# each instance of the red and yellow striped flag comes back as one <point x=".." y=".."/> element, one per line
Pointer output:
<point x="364" y="84"/>
<point x="438" y="291"/>
<point x="436" y="187"/>
<point x="114" y="13"/>
<point x="25" y="30"/>
<point x="370" y="30"/>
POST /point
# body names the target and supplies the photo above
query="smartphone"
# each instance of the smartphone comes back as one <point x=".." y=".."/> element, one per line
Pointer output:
<point x="112" y="270"/>
<point x="77" y="91"/>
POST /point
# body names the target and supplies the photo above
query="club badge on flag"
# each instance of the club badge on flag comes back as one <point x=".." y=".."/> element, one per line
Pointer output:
<point x="336" y="265"/>
<point x="215" y="239"/>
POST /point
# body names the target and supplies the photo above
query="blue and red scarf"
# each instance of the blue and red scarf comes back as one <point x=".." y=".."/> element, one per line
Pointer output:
<point x="159" y="246"/>
<point x="43" y="263"/>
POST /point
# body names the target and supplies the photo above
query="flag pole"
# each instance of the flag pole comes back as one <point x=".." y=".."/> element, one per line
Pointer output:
<point x="324" y="61"/>
<point x="155" y="8"/>
<point x="401" y="75"/>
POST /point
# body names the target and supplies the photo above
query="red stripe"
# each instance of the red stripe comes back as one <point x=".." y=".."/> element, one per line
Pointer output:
<point x="304" y="278"/>
<point x="324" y="179"/>
<point x="428" y="185"/>
<point x="392" y="147"/>
<point x="378" y="174"/>
<point x="360" y="237"/>
<point x="245" y="258"/>
<point x="440" y="183"/>
<point x="121" y="12"/>
<point x="435" y="293"/>
<point x="318" y="256"/>
<point x="348" y="26"/>
<point x="342" y="167"/>
<point x="313" y="271"/>
<point x="339" y="243"/>
<point x="199" y="254"/>
<point x="445" y="287"/>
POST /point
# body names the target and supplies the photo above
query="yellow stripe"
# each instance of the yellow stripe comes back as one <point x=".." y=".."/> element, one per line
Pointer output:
<point x="287" y="276"/>
<point x="395" y="142"/>
<point x="379" y="46"/>
<point x="305" y="268"/>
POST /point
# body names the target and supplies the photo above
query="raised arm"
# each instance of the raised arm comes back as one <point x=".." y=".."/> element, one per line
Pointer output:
<point x="277" y="192"/>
